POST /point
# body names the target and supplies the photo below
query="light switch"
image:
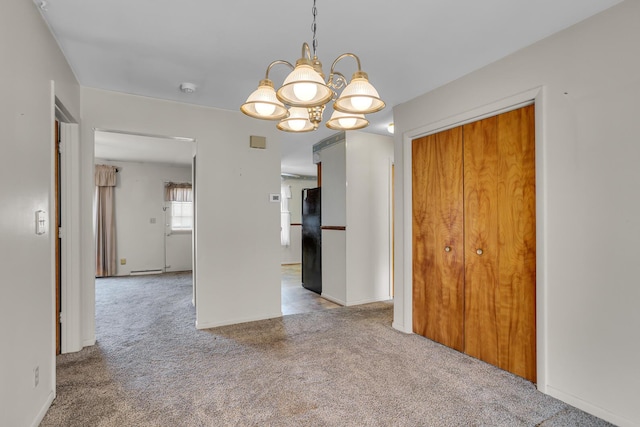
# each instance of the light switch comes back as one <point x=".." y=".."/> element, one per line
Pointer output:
<point x="152" y="220"/>
<point x="41" y="222"/>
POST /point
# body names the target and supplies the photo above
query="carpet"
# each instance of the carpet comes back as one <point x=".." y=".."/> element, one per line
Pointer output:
<point x="339" y="367"/>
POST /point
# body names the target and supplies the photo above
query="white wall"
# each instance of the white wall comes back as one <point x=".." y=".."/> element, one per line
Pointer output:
<point x="356" y="194"/>
<point x="369" y="159"/>
<point x="292" y="254"/>
<point x="31" y="61"/>
<point x="334" y="185"/>
<point x="588" y="209"/>
<point x="238" y="265"/>
<point x="333" y="205"/>
<point x="139" y="199"/>
<point x="334" y="266"/>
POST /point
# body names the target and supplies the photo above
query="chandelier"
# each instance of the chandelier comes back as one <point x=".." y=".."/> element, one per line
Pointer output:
<point x="299" y="103"/>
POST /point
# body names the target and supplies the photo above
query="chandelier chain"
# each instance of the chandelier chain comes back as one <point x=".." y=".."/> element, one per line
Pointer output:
<point x="314" y="27"/>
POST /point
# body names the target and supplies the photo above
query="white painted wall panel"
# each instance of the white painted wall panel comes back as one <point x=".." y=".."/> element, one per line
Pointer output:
<point x="31" y="62"/>
<point x="369" y="159"/>
<point x="334" y="265"/>
<point x="588" y="212"/>
<point x="334" y="187"/>
<point x="179" y="251"/>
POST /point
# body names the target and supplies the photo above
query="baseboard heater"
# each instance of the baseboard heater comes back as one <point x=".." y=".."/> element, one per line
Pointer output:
<point x="142" y="272"/>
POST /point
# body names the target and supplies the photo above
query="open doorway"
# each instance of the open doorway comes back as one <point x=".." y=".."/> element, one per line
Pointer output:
<point x="295" y="298"/>
<point x="152" y="206"/>
<point x="65" y="231"/>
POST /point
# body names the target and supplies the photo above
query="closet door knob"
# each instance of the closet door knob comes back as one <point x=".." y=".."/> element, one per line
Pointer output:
<point x="447" y="248"/>
<point x="479" y="251"/>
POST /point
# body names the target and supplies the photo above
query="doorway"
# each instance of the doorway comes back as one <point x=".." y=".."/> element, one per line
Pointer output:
<point x="150" y="237"/>
<point x="65" y="244"/>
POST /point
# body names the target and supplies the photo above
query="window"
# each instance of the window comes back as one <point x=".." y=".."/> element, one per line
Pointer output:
<point x="181" y="216"/>
<point x="180" y="198"/>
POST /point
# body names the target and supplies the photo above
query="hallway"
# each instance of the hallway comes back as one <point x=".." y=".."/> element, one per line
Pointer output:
<point x="295" y="298"/>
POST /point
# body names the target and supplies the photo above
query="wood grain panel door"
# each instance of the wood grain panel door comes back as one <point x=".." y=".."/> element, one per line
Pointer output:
<point x="438" y="264"/>
<point x="499" y="194"/>
<point x="482" y="305"/>
<point x="517" y="235"/>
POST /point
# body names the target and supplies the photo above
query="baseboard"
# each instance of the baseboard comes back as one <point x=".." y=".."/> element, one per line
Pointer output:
<point x="89" y="342"/>
<point x="144" y="272"/>
<point x="44" y="409"/>
<point x="208" y="325"/>
<point x="332" y="299"/>
<point x="590" y="408"/>
<point x="401" y="328"/>
<point x="367" y="301"/>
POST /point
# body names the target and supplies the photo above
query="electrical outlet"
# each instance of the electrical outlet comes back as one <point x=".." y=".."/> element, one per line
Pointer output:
<point x="36" y="376"/>
<point x="123" y="261"/>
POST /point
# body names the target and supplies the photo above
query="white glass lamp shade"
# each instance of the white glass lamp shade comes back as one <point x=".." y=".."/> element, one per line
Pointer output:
<point x="304" y="87"/>
<point x="298" y="121"/>
<point x="347" y="121"/>
<point x="263" y="103"/>
<point x="359" y="96"/>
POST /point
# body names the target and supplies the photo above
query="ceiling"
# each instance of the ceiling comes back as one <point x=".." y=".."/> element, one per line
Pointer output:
<point x="129" y="147"/>
<point x="408" y="47"/>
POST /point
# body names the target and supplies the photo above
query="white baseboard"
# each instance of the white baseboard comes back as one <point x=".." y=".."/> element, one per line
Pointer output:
<point x="44" y="409"/>
<point x="145" y="272"/>
<point x="89" y="342"/>
<point x="332" y="299"/>
<point x="590" y="408"/>
<point x="368" y="301"/>
<point x="401" y="328"/>
<point x="207" y="325"/>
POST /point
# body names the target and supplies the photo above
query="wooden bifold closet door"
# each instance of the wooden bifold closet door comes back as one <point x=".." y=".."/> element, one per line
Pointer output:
<point x="474" y="240"/>
<point x="438" y="257"/>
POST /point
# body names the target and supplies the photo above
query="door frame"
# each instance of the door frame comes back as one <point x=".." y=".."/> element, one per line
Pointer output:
<point x="69" y="256"/>
<point x="55" y="221"/>
<point x="404" y="300"/>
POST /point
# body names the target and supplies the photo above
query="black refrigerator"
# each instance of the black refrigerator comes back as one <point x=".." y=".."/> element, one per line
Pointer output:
<point x="311" y="240"/>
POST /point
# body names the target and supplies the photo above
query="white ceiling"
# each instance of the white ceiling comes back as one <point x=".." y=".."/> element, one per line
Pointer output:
<point x="408" y="47"/>
<point x="143" y="148"/>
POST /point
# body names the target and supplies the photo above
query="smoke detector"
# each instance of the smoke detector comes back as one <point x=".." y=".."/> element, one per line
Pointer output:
<point x="187" y="87"/>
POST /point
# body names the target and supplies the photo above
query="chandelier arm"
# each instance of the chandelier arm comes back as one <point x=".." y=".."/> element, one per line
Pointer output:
<point x="279" y="61"/>
<point x="339" y="82"/>
<point x="344" y="55"/>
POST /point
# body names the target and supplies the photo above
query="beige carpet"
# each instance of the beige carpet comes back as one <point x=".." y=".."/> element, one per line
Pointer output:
<point x="339" y="367"/>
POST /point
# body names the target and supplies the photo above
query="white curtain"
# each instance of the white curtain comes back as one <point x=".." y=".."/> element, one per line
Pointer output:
<point x="104" y="225"/>
<point x="178" y="192"/>
<point x="285" y="215"/>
